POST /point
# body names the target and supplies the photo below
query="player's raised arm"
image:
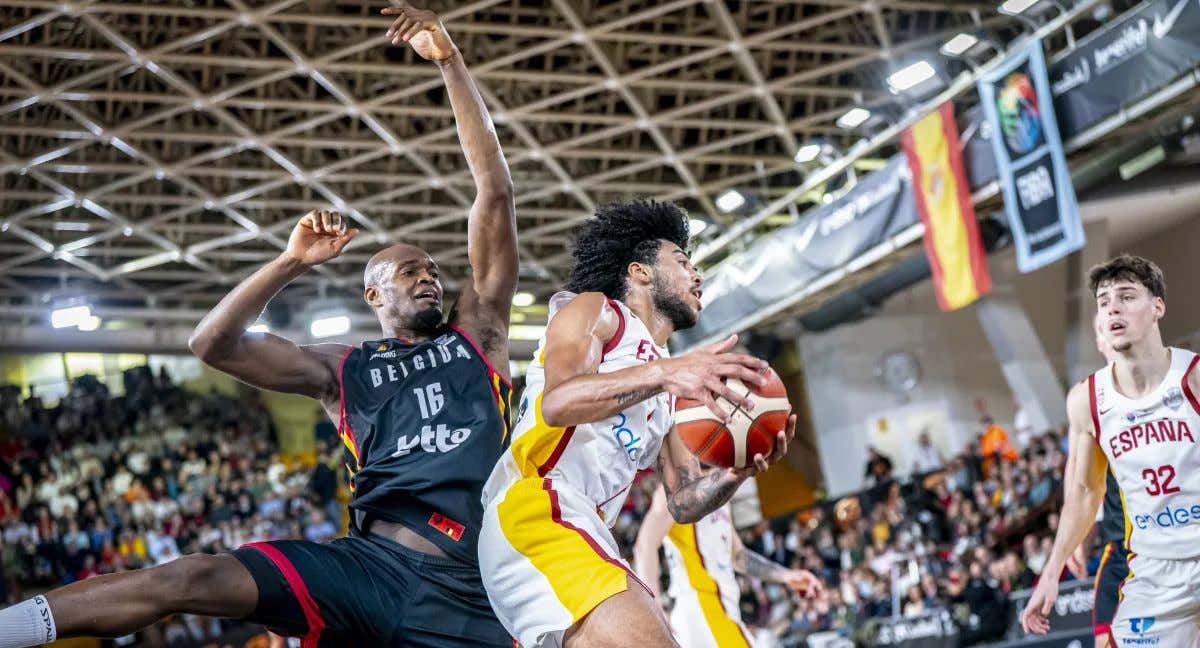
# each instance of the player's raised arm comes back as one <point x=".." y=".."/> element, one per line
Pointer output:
<point x="483" y="307"/>
<point x="261" y="359"/>
<point x="576" y="394"/>
<point x="1083" y="493"/>
<point x="656" y="524"/>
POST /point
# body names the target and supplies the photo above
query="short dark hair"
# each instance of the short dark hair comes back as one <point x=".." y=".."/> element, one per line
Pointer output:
<point x="620" y="234"/>
<point x="1128" y="267"/>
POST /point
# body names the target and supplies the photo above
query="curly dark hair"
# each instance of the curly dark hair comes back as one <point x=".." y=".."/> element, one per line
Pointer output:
<point x="1134" y="269"/>
<point x="620" y="234"/>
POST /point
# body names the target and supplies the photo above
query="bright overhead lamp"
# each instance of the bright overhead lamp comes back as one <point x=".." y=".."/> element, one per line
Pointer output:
<point x="70" y="316"/>
<point x="523" y="299"/>
<point x="910" y="77"/>
<point x="260" y="327"/>
<point x="696" y="225"/>
<point x="71" y="226"/>
<point x="808" y="153"/>
<point x="90" y="324"/>
<point x="1016" y="7"/>
<point x="731" y="201"/>
<point x="526" y="332"/>
<point x="853" y="118"/>
<point x="330" y="326"/>
<point x="960" y="44"/>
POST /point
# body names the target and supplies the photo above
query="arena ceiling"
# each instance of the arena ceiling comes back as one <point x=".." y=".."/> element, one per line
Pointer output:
<point x="154" y="153"/>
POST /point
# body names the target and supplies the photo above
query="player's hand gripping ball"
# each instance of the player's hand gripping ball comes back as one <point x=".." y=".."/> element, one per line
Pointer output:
<point x="733" y="444"/>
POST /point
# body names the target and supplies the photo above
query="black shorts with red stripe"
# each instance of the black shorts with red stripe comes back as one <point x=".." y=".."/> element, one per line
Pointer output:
<point x="1114" y="567"/>
<point x="369" y="591"/>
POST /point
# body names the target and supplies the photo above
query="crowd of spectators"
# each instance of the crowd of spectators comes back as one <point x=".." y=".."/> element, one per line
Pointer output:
<point x="99" y="484"/>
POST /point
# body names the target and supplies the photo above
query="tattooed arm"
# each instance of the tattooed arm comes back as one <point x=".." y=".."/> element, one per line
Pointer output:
<point x="695" y="490"/>
<point x="577" y="393"/>
<point x="755" y="565"/>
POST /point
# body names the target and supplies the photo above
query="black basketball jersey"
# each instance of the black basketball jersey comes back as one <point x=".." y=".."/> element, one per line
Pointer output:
<point x="1112" y="522"/>
<point x="423" y="424"/>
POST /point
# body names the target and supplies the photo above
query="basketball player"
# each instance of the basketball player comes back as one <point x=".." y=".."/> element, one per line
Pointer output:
<point x="701" y="561"/>
<point x="1139" y="417"/>
<point x="1111" y="529"/>
<point x="422" y="413"/>
<point x="597" y="408"/>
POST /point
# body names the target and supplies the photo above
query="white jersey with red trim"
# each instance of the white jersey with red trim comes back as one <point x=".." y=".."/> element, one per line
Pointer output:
<point x="1151" y="445"/>
<point x="599" y="459"/>
<point x="700" y="558"/>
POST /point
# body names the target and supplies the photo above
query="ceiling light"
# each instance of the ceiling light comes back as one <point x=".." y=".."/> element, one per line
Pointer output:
<point x="853" y="118"/>
<point x="70" y="316"/>
<point x="90" y="324"/>
<point x="960" y="44"/>
<point x="731" y="201"/>
<point x="523" y="299"/>
<point x="696" y="225"/>
<point x="260" y="327"/>
<point x="71" y="226"/>
<point x="330" y="326"/>
<point x="910" y="77"/>
<point x="1014" y="7"/>
<point x="808" y="153"/>
<point x="526" y="331"/>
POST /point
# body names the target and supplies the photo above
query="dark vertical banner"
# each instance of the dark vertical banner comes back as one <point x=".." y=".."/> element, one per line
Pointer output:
<point x="1039" y="199"/>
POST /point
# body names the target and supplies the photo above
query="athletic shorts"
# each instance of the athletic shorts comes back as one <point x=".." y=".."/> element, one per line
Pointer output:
<point x="1109" y="576"/>
<point x="702" y="620"/>
<point x="1159" y="604"/>
<point x="547" y="560"/>
<point x="369" y="591"/>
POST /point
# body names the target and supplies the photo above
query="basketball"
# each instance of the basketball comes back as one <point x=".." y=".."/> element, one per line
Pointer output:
<point x="734" y="444"/>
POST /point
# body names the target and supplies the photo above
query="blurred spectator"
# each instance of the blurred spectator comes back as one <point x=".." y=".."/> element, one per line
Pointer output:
<point x="994" y="445"/>
<point x="928" y="459"/>
<point x="879" y="468"/>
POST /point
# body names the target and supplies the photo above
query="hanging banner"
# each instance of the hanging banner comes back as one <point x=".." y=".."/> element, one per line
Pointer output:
<point x="1135" y="55"/>
<point x="1038" y="196"/>
<point x="952" y="242"/>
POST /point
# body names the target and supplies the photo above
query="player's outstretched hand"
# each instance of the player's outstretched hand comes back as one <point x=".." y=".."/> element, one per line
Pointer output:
<point x="803" y="582"/>
<point x="318" y="237"/>
<point x="421" y="29"/>
<point x="1035" y="617"/>
<point x="701" y="375"/>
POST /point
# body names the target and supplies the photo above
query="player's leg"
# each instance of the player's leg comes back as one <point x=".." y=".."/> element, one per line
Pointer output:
<point x="631" y="617"/>
<point x="1109" y="575"/>
<point x="119" y="604"/>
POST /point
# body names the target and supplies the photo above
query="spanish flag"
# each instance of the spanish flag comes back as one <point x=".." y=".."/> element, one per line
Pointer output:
<point x="952" y="243"/>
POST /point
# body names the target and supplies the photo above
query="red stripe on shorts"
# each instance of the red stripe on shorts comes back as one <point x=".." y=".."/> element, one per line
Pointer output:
<point x="312" y="614"/>
<point x="556" y="514"/>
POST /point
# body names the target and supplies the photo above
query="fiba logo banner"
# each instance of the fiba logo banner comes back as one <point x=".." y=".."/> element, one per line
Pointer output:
<point x="1020" y="120"/>
<point x="1038" y="196"/>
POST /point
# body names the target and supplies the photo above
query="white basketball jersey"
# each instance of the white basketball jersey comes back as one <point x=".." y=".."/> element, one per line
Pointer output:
<point x="598" y="459"/>
<point x="700" y="560"/>
<point x="1151" y="447"/>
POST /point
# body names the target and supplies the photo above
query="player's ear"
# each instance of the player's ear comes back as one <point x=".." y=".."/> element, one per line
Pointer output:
<point x="1160" y="307"/>
<point x="372" y="296"/>
<point x="640" y="272"/>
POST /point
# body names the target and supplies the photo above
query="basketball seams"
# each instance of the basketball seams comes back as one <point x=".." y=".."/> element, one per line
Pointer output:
<point x="732" y="442"/>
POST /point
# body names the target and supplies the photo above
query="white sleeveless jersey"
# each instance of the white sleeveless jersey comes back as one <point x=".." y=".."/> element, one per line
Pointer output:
<point x="1152" y="451"/>
<point x="599" y="459"/>
<point x="700" y="560"/>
